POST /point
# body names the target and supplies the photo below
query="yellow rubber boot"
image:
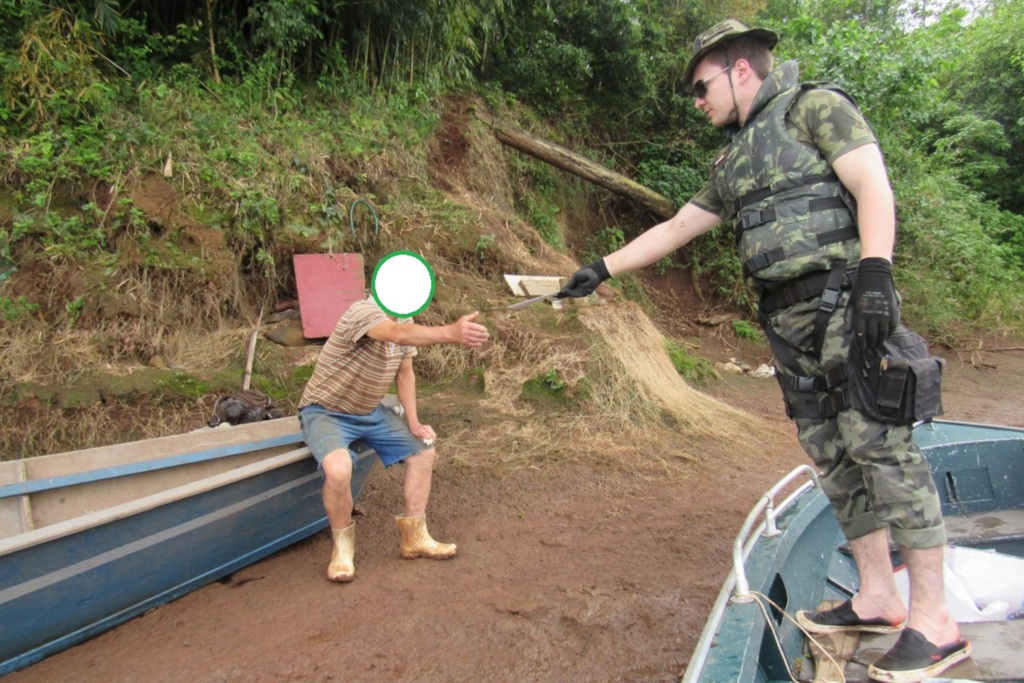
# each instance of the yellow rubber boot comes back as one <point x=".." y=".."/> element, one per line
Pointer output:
<point x="416" y="540"/>
<point x="342" y="568"/>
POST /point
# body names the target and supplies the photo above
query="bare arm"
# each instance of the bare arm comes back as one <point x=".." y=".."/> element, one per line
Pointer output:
<point x="862" y="171"/>
<point x="873" y="300"/>
<point x="463" y="331"/>
<point x="662" y="239"/>
<point x="405" y="381"/>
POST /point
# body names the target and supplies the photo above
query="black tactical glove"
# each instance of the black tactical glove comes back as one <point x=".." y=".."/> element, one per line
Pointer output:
<point x="876" y="311"/>
<point x="585" y="280"/>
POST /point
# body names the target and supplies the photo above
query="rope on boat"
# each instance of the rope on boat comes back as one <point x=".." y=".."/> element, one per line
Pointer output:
<point x="770" y="623"/>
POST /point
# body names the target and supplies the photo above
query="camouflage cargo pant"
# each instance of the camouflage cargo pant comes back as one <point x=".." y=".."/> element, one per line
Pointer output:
<point x="873" y="474"/>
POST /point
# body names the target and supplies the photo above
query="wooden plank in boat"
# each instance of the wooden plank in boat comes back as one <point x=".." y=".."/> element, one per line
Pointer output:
<point x="834" y="653"/>
<point x="59" y="464"/>
<point x="982" y="527"/>
<point x="15" y="513"/>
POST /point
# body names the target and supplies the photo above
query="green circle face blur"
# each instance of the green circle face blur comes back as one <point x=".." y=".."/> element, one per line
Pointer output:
<point x="403" y="284"/>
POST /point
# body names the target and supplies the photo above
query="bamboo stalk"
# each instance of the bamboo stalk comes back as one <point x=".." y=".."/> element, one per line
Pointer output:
<point x="251" y="352"/>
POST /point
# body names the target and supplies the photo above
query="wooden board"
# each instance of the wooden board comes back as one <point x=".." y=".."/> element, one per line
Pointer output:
<point x="841" y="647"/>
<point x="327" y="285"/>
<point x="81" y="493"/>
<point x="535" y="285"/>
<point x="15" y="512"/>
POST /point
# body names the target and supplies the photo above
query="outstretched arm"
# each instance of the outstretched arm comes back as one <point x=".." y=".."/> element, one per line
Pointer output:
<point x="652" y="245"/>
<point x="463" y="331"/>
<point x="661" y="240"/>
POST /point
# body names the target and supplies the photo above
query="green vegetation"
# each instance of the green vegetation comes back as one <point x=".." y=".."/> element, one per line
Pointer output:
<point x="744" y="330"/>
<point x="184" y="385"/>
<point x="13" y="309"/>
<point x="547" y="389"/>
<point x="698" y="370"/>
<point x="262" y="125"/>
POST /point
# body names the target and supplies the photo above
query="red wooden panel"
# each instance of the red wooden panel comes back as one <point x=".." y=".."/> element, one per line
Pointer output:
<point x="327" y="285"/>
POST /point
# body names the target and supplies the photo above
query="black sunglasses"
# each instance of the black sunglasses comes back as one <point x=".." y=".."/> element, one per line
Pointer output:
<point x="700" y="88"/>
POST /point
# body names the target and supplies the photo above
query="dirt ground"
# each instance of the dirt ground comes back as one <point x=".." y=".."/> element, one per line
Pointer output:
<point x="567" y="572"/>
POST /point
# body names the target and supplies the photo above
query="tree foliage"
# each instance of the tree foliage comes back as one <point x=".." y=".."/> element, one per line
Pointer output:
<point x="986" y="81"/>
<point x="565" y="55"/>
<point x="941" y="84"/>
<point x="52" y="64"/>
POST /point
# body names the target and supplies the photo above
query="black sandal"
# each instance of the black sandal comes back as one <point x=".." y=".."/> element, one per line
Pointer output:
<point x="843" y="618"/>
<point x="914" y="658"/>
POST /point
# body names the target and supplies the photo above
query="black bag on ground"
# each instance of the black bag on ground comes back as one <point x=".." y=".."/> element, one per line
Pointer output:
<point x="247" y="405"/>
<point x="898" y="382"/>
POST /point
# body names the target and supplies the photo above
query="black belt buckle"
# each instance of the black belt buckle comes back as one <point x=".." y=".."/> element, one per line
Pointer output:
<point x="806" y="384"/>
<point x="751" y="220"/>
<point x="837" y="401"/>
<point x="829" y="300"/>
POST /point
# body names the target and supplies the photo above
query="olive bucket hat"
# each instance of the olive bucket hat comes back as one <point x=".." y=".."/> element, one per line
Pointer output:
<point x="718" y="35"/>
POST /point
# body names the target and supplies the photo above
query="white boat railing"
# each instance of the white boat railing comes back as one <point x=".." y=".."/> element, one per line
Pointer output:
<point x="741" y="550"/>
<point x="769" y="528"/>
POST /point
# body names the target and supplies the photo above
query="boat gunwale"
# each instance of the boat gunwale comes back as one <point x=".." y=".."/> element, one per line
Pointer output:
<point x="805" y="493"/>
<point x="68" y="527"/>
<point x="33" y="486"/>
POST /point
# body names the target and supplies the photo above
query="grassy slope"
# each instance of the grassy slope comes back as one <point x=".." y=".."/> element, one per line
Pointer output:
<point x="137" y="291"/>
<point x="148" y="244"/>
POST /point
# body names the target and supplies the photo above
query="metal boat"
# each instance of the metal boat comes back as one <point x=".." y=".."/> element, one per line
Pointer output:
<point x="92" y="538"/>
<point x="790" y="555"/>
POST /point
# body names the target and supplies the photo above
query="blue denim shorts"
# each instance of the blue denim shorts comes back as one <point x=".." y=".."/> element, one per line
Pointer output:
<point x="326" y="431"/>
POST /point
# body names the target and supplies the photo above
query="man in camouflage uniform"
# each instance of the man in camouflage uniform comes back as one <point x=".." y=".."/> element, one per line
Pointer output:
<point x="805" y="185"/>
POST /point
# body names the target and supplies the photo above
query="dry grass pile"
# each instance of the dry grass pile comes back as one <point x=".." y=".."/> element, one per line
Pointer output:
<point x="639" y="386"/>
<point x="620" y="402"/>
<point x="519" y="353"/>
<point x="34" y="352"/>
<point x="89" y="320"/>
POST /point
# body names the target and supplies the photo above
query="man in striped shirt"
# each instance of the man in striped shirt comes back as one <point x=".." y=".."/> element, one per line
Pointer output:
<point x="367" y="351"/>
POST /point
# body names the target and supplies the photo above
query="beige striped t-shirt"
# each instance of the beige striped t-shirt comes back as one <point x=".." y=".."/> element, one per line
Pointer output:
<point x="353" y="372"/>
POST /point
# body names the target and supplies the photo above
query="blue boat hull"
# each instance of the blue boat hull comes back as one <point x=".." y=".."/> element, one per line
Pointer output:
<point x="62" y="592"/>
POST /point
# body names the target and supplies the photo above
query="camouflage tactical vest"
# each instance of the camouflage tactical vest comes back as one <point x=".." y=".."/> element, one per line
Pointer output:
<point x="791" y="214"/>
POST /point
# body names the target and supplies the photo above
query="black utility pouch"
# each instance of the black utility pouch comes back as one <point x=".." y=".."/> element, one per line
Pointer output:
<point x="897" y="383"/>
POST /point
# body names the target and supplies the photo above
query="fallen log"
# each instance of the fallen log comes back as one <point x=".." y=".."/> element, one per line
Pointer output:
<point x="577" y="165"/>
